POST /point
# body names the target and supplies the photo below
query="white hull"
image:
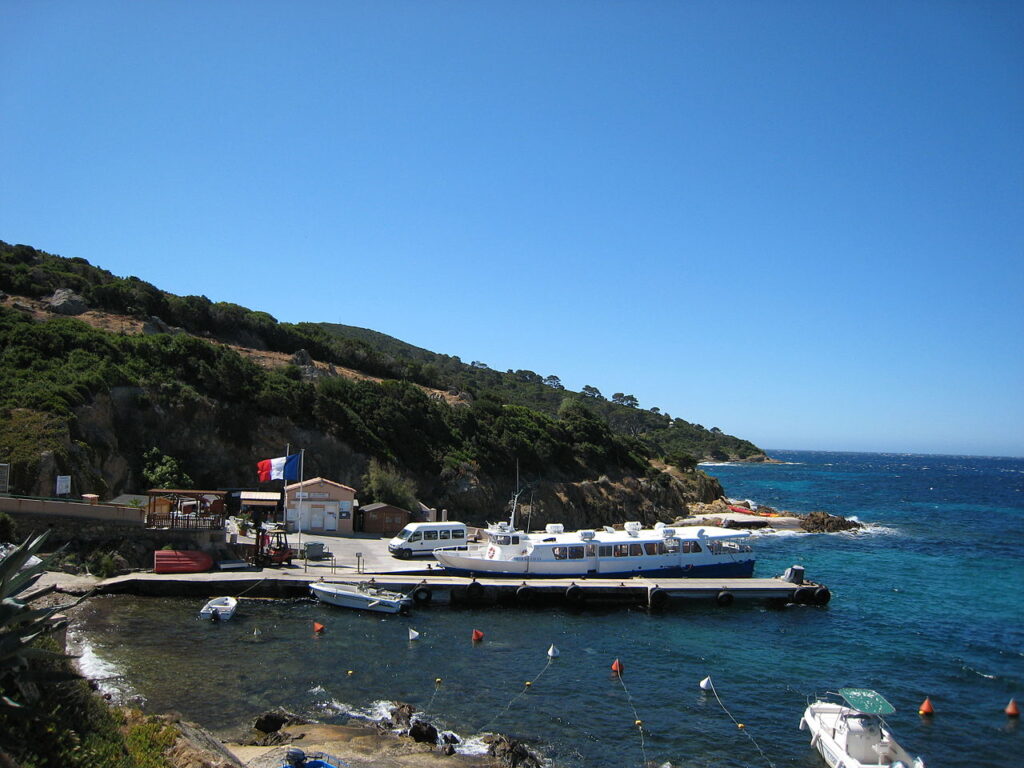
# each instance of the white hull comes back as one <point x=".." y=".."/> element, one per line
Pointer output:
<point x="360" y="597"/>
<point x="219" y="609"/>
<point x="846" y="738"/>
<point x="660" y="552"/>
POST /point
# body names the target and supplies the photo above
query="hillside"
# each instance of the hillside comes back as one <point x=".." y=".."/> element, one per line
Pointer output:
<point x="96" y="371"/>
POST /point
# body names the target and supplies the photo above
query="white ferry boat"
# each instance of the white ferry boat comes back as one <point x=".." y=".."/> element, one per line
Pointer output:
<point x="703" y="551"/>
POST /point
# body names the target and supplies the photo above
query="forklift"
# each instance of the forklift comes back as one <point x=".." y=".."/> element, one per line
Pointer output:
<point x="272" y="548"/>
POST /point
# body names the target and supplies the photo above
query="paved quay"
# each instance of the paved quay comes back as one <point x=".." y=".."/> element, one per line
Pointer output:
<point x="366" y="559"/>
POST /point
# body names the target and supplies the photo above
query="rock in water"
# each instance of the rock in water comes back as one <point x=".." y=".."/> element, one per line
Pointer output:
<point x="424" y="732"/>
<point x="823" y="522"/>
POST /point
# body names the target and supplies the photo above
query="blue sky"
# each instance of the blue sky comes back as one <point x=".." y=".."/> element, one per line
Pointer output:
<point x="801" y="222"/>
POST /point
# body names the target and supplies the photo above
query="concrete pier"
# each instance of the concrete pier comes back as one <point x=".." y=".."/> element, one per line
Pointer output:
<point x="431" y="587"/>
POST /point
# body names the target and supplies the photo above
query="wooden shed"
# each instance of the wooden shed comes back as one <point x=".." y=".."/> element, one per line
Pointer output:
<point x="385" y="519"/>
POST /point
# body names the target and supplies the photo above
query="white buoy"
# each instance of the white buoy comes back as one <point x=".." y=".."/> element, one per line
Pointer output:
<point x="705" y="684"/>
<point x="552" y="652"/>
<point x="413" y="634"/>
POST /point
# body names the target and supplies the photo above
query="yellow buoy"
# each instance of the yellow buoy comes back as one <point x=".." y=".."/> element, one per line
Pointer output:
<point x="740" y="725"/>
<point x="528" y="683"/>
<point x="437" y="681"/>
<point x="638" y="723"/>
<point x="350" y="673"/>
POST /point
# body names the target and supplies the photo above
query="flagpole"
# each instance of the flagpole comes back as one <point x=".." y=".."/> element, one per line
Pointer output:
<point x="284" y="479"/>
<point x="302" y="478"/>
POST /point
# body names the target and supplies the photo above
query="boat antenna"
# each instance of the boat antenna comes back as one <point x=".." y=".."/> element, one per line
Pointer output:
<point x="515" y="503"/>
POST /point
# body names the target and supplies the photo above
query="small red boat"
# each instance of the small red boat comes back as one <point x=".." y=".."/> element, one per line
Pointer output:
<point x="181" y="561"/>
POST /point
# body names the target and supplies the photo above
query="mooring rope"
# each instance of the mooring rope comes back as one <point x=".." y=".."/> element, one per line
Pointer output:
<point x="739" y="725"/>
<point x="251" y="588"/>
<point x="437" y="687"/>
<point x="636" y="718"/>
<point x="526" y="687"/>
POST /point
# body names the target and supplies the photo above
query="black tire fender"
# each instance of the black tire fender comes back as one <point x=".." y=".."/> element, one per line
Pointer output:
<point x="574" y="593"/>
<point x="422" y="595"/>
<point x="525" y="594"/>
<point x="658" y="598"/>
<point x="475" y="590"/>
<point x="822" y="596"/>
<point x="804" y="595"/>
<point x="724" y="599"/>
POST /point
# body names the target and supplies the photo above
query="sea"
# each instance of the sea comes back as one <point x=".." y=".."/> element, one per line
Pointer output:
<point x="927" y="603"/>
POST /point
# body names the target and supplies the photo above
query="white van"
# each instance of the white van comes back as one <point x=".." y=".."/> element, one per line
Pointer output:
<point x="424" y="538"/>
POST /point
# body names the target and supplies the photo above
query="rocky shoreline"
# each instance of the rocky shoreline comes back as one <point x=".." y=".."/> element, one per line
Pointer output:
<point x="741" y="514"/>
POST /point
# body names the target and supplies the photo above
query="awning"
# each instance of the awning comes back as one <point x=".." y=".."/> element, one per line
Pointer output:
<point x="867" y="701"/>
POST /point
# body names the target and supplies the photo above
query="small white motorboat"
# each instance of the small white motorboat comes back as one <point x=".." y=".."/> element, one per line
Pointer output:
<point x="361" y="596"/>
<point x="219" y="609"/>
<point x="852" y="733"/>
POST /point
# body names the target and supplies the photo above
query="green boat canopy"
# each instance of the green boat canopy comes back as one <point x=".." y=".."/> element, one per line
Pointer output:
<point x="867" y="701"/>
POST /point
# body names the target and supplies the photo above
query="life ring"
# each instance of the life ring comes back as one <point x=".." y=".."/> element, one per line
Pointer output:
<point x="491" y="552"/>
<point x="422" y="595"/>
<point x="657" y="598"/>
<point x="525" y="594"/>
<point x="724" y="599"/>
<point x="822" y="596"/>
<point x="475" y="590"/>
<point x="574" y="594"/>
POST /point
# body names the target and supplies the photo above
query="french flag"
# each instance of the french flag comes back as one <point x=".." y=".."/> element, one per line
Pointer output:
<point x="281" y="468"/>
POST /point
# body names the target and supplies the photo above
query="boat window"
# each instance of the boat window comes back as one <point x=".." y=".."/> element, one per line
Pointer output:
<point x="458" y="534"/>
<point x="415" y="537"/>
<point x="671" y="545"/>
<point x="605" y="550"/>
<point x="445" y="534"/>
<point x="621" y="550"/>
<point x="635" y="550"/>
<point x="515" y="539"/>
<point x="576" y="553"/>
<point x="691" y="546"/>
<point x="559" y="553"/>
<point x="430" y="535"/>
<point x="591" y="550"/>
<point x="651" y="547"/>
<point x="502" y="540"/>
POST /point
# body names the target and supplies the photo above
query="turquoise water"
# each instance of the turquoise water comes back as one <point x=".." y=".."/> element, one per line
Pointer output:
<point x="928" y="604"/>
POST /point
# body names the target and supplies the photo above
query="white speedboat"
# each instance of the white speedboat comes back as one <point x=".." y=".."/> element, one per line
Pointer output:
<point x="705" y="551"/>
<point x="852" y="733"/>
<point x="219" y="609"/>
<point x="363" y="597"/>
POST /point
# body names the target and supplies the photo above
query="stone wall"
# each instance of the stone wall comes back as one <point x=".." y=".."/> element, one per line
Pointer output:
<point x="129" y="538"/>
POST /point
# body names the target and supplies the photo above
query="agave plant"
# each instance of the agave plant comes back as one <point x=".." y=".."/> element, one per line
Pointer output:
<point x="21" y="625"/>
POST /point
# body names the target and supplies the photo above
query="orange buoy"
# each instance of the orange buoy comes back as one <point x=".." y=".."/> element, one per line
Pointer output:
<point x="1012" y="710"/>
<point x="926" y="707"/>
<point x="318" y="627"/>
<point x="617" y="667"/>
<point x="477" y="635"/>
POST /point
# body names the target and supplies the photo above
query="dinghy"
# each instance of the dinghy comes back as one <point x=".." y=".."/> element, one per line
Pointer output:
<point x="219" y="609"/>
<point x="362" y="597"/>
<point x="852" y="733"/>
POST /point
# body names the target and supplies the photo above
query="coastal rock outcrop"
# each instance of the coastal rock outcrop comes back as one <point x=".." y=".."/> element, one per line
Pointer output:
<point x="512" y="753"/>
<point x="823" y="522"/>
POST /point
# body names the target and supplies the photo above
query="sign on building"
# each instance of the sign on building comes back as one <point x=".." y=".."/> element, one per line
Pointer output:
<point x="63" y="485"/>
<point x="5" y="478"/>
